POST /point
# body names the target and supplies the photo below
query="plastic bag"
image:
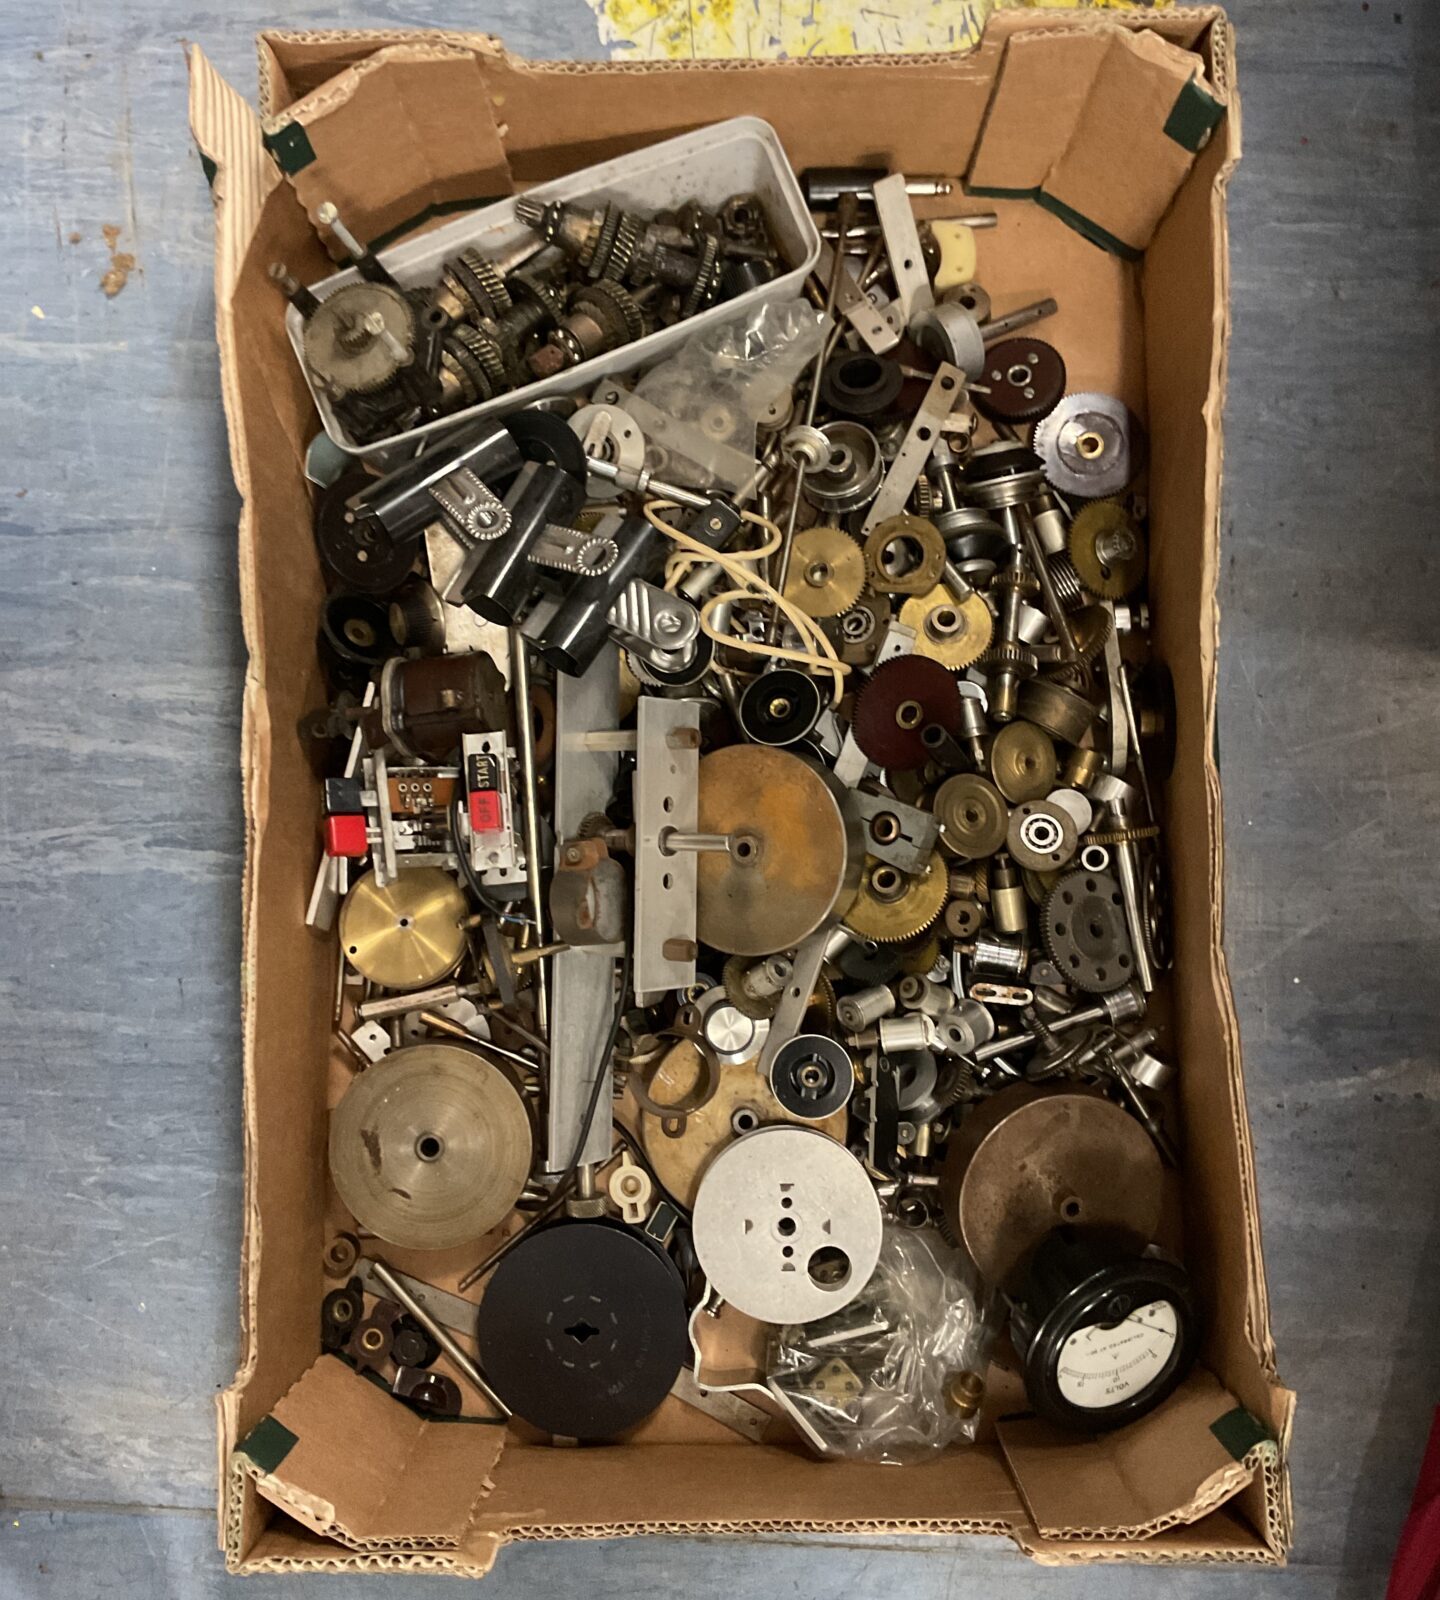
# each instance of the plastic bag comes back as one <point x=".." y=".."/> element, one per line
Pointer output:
<point x="898" y="1375"/>
<point x="701" y="408"/>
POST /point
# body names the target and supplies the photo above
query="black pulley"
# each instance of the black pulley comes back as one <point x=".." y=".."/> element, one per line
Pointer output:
<point x="354" y="638"/>
<point x="355" y="550"/>
<point x="812" y="1076"/>
<point x="1105" y="1332"/>
<point x="780" y="707"/>
<point x="543" y="436"/>
<point x="582" y="1329"/>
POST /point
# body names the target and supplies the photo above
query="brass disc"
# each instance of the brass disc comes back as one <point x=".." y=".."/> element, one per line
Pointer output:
<point x="431" y="1147"/>
<point x="1107" y="549"/>
<point x="1023" y="762"/>
<point x="973" y="817"/>
<point x="408" y="934"/>
<point x="794" y="856"/>
<point x="743" y="1102"/>
<point x="953" y="632"/>
<point x="892" y="907"/>
<point x="827" y="572"/>
<point x="1028" y="1160"/>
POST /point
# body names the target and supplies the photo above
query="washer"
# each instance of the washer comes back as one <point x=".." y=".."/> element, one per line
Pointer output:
<point x="786" y="1225"/>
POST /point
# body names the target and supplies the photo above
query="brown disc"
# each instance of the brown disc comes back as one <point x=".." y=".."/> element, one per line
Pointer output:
<point x="1029" y="1160"/>
<point x="794" y="857"/>
<point x="1025" y="379"/>
<point x="743" y="1102"/>
<point x="903" y="698"/>
<point x="431" y="1147"/>
<point x="973" y="816"/>
<point x="409" y="933"/>
<point x="1023" y="762"/>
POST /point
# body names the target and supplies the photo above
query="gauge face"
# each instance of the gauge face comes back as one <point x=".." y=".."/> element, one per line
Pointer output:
<point x="1110" y="1363"/>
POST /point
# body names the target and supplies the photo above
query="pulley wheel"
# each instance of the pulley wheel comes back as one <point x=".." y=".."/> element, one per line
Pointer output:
<point x="408" y="934"/>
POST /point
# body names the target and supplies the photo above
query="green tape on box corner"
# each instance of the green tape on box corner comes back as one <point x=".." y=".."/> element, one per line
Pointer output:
<point x="1239" y="1432"/>
<point x="990" y="191"/>
<point x="208" y="167"/>
<point x="1193" y="117"/>
<point x="1088" y="229"/>
<point x="268" y="1443"/>
<point x="291" y="147"/>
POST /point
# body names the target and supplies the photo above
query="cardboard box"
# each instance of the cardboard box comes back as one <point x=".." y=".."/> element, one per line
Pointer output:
<point x="1105" y="136"/>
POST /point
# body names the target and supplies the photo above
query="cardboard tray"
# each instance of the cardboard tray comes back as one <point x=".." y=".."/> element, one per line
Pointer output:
<point x="1110" y="141"/>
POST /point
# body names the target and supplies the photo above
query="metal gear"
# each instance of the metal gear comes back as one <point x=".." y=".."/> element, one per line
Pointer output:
<point x="904" y="554"/>
<point x="1082" y="924"/>
<point x="1090" y="628"/>
<point x="904" y="696"/>
<point x="891" y="907"/>
<point x="827" y="572"/>
<point x="596" y="254"/>
<point x="973" y="815"/>
<point x="1122" y="835"/>
<point x="1023" y="762"/>
<point x="1107" y="550"/>
<point x="614" y="307"/>
<point x="486" y="350"/>
<point x="956" y="633"/>
<point x="707" y="277"/>
<point x="358" y="338"/>
<point x="1090" y="445"/>
<point x="477" y="284"/>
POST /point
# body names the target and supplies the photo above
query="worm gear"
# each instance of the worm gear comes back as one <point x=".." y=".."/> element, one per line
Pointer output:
<point x="1082" y="924"/>
<point x="827" y="572"/>
<point x="892" y="907"/>
<point x="359" y="338"/>
<point x="956" y="633"/>
<point x="903" y="698"/>
<point x="1107" y="550"/>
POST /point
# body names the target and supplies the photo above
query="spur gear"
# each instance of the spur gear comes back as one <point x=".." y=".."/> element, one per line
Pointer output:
<point x="1091" y="445"/>
<point x="892" y="907"/>
<point x="1082" y="924"/>
<point x="827" y="572"/>
<point x="904" y="697"/>
<point x="956" y="633"/>
<point x="1107" y="550"/>
<point x="359" y="338"/>
<point x="905" y="554"/>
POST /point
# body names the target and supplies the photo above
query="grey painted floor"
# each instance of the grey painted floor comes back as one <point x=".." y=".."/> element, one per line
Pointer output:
<point x="120" y="822"/>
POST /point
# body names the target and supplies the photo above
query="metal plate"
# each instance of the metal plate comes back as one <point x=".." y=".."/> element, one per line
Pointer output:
<point x="666" y="793"/>
<point x="786" y="1225"/>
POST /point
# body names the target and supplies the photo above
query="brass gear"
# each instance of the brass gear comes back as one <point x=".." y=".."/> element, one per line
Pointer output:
<point x="973" y="819"/>
<point x="731" y="975"/>
<point x="1023" y="762"/>
<point x="956" y="633"/>
<point x="921" y="539"/>
<point x="1107" y="549"/>
<point x="827" y="572"/>
<point x="891" y="908"/>
<point x="1090" y="628"/>
<point x="922" y="956"/>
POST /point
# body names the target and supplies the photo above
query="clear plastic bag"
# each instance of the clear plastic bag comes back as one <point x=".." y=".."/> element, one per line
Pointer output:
<point x="899" y="1374"/>
<point x="705" y="403"/>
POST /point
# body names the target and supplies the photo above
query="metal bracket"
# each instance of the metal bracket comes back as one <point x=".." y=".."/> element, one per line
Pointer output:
<point x="472" y="511"/>
<point x="563" y="549"/>
<point x="856" y="307"/>
<point x="795" y="997"/>
<point x="647" y="618"/>
<point x="904" y="836"/>
<point x="667" y="799"/>
<point x="902" y="244"/>
<point x="946" y="387"/>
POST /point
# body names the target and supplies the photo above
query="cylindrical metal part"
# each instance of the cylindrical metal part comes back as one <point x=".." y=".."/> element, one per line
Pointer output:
<point x="999" y="957"/>
<point x="857" y="1011"/>
<point x="917" y="993"/>
<point x="529" y="780"/>
<point x="401" y="501"/>
<point x="1009" y="908"/>
<point x="1050" y="524"/>
<point x="503" y="580"/>
<point x="999" y="327"/>
<point x="904" y="1033"/>
<point x="824" y="186"/>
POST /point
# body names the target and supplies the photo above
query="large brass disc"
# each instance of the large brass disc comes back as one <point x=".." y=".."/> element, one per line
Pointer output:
<point x="1029" y="1160"/>
<point x="743" y="1102"/>
<point x="794" y="857"/>
<point x="431" y="1147"/>
<point x="408" y="934"/>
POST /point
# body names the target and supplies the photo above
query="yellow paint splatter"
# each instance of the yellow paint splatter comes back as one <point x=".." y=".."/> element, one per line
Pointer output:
<point x="769" y="30"/>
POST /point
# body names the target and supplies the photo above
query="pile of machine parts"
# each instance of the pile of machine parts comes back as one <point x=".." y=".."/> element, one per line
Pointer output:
<point x="750" y="903"/>
<point x="588" y="280"/>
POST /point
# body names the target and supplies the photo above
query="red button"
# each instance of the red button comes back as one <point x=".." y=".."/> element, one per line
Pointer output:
<point x="486" y="815"/>
<point x="345" y="836"/>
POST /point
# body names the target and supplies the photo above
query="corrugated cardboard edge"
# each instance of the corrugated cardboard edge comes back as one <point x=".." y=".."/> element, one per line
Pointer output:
<point x="229" y="133"/>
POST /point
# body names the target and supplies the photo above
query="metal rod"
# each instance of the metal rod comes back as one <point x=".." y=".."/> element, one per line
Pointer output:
<point x="998" y="327"/>
<point x="440" y="1334"/>
<point x="525" y="722"/>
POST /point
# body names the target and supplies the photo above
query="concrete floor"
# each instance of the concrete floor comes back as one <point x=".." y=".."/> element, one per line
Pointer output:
<point x="120" y="822"/>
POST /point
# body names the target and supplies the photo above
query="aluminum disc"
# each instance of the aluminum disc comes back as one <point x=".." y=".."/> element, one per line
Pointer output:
<point x="431" y="1147"/>
<point x="1029" y="1160"/>
<point x="786" y="1225"/>
<point x="409" y="933"/>
<point x="1091" y="445"/>
<point x="795" y="855"/>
